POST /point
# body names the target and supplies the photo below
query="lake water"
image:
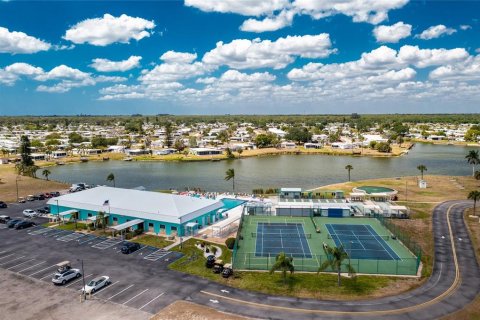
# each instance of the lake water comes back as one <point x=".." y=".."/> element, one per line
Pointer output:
<point x="306" y="171"/>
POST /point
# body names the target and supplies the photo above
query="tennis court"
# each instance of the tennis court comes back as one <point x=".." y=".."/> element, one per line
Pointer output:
<point x="273" y="238"/>
<point x="361" y="241"/>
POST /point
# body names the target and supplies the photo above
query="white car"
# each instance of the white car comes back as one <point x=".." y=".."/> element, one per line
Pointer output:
<point x="96" y="284"/>
<point x="30" y="213"/>
<point x="65" y="276"/>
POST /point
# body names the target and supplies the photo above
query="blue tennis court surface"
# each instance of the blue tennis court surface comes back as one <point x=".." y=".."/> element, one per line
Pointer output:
<point x="273" y="238"/>
<point x="361" y="241"/>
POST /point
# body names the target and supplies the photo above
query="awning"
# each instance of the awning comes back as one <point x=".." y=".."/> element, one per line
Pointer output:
<point x="66" y="213"/>
<point x="126" y="225"/>
<point x="95" y="218"/>
<point x="191" y="225"/>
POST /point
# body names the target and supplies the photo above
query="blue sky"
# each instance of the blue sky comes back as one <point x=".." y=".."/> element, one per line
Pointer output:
<point x="275" y="56"/>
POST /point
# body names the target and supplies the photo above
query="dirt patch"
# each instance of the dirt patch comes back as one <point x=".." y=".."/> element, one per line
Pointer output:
<point x="181" y="310"/>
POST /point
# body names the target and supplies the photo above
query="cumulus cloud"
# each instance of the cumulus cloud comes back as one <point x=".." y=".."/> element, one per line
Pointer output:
<point x="465" y="27"/>
<point x="469" y="70"/>
<point x="244" y="54"/>
<point x="19" y="42"/>
<point x="393" y="33"/>
<point x="435" y="32"/>
<point x="109" y="29"/>
<point x="105" y="65"/>
<point x="178" y="57"/>
<point x="276" y="14"/>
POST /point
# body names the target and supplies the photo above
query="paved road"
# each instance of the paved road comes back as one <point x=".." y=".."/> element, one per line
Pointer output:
<point x="149" y="285"/>
<point x="455" y="282"/>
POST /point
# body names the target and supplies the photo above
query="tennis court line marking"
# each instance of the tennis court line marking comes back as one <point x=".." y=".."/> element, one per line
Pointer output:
<point x="383" y="245"/>
<point x="445" y="294"/>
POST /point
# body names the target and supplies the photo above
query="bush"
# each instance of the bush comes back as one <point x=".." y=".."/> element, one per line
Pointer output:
<point x="213" y="249"/>
<point x="230" y="243"/>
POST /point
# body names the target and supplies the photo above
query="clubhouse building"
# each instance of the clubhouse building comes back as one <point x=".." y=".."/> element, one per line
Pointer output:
<point x="155" y="212"/>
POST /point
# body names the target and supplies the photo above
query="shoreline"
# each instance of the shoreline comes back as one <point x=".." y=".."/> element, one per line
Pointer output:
<point x="448" y="143"/>
<point x="327" y="151"/>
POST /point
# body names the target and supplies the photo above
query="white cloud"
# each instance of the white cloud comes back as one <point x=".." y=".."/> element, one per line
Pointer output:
<point x="179" y="57"/>
<point x="477" y="50"/>
<point x="172" y="72"/>
<point x="465" y="27"/>
<point x="243" y="7"/>
<point x="7" y="78"/>
<point x="393" y="33"/>
<point x="24" y="69"/>
<point x="280" y="21"/>
<point x="63" y="72"/>
<point x="18" y="42"/>
<point x="469" y="70"/>
<point x="422" y="58"/>
<point x="244" y="54"/>
<point x="109" y="29"/>
<point x="105" y="65"/>
<point x="435" y="32"/>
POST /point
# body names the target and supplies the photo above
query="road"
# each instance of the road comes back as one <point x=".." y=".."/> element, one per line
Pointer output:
<point x="150" y="285"/>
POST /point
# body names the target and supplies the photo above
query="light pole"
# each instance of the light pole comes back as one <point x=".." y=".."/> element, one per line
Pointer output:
<point x="16" y="183"/>
<point x="58" y="210"/>
<point x="83" y="279"/>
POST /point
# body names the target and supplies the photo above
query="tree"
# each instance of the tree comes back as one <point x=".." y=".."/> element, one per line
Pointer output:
<point x="75" y="137"/>
<point x="102" y="218"/>
<point x="179" y="145"/>
<point x="477" y="175"/>
<point x="168" y="134"/>
<point x="422" y="169"/>
<point x="266" y="140"/>
<point x="473" y="133"/>
<point x="383" y="147"/>
<point x="349" y="167"/>
<point x="26" y="166"/>
<point x="111" y="178"/>
<point x="230" y="154"/>
<point x="473" y="159"/>
<point x="230" y="175"/>
<point x="283" y="264"/>
<point x="46" y="173"/>
<point x="475" y="196"/>
<point x="299" y="134"/>
<point x="335" y="258"/>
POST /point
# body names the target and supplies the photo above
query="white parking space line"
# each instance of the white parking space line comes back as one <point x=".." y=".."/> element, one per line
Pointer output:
<point x="154" y="256"/>
<point x="116" y="294"/>
<point x="41" y="270"/>
<point x="47" y="276"/>
<point x="70" y="237"/>
<point x="146" y="304"/>
<point x="31" y="266"/>
<point x="1" y="264"/>
<point x="105" y="288"/>
<point x="143" y="247"/>
<point x="19" y="264"/>
<point x="80" y="279"/>
<point x="3" y="251"/>
<point x="11" y="254"/>
<point x="39" y="231"/>
<point x="106" y="244"/>
<point x="135" y="296"/>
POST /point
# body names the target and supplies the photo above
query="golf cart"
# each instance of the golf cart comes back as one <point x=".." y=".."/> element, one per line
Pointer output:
<point x="63" y="267"/>
<point x="227" y="270"/>
<point x="218" y="266"/>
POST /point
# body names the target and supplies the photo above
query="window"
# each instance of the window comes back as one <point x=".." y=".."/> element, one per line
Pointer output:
<point x="150" y="225"/>
<point x="162" y="226"/>
<point x="115" y="219"/>
<point x="89" y="214"/>
<point x="173" y="228"/>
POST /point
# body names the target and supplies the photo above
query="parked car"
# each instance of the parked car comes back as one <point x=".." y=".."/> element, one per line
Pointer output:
<point x="11" y="223"/>
<point x="30" y="197"/>
<point x="65" y="275"/>
<point x="227" y="270"/>
<point x="55" y="194"/>
<point x="96" y="284"/>
<point x="4" y="219"/>
<point x="210" y="261"/>
<point x="43" y="210"/>
<point x="21" y="200"/>
<point x="129" y="247"/>
<point x="3" y="204"/>
<point x="40" y="196"/>
<point x="24" y="224"/>
<point x="30" y="213"/>
<point x="47" y="195"/>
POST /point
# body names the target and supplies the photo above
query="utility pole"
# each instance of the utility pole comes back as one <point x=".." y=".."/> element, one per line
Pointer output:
<point x="83" y="279"/>
<point x="16" y="183"/>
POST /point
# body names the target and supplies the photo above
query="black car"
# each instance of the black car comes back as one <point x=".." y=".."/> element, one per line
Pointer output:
<point x="4" y="219"/>
<point x="24" y="224"/>
<point x="210" y="261"/>
<point x="11" y="223"/>
<point x="43" y="210"/>
<point x="129" y="247"/>
<point x="227" y="271"/>
<point x="55" y="194"/>
<point x="40" y="196"/>
<point x="3" y="204"/>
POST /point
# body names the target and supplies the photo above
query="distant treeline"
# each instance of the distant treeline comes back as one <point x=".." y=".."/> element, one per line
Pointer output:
<point x="359" y="120"/>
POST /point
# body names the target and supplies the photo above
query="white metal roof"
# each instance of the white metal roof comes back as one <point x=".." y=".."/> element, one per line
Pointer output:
<point x="291" y="189"/>
<point x="139" y="204"/>
<point x="126" y="225"/>
<point x="66" y="213"/>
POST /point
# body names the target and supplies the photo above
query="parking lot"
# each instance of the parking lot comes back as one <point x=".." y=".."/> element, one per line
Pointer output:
<point x="139" y="280"/>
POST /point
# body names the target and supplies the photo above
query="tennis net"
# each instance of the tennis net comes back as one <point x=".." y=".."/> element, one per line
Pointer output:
<point x="282" y="235"/>
<point x="350" y="237"/>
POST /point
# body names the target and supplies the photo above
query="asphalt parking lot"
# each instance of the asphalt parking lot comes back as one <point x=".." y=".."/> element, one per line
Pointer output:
<point x="139" y="280"/>
<point x="14" y="210"/>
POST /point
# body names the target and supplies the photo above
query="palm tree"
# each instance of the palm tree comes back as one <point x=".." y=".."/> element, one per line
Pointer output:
<point x="102" y="218"/>
<point x="46" y="173"/>
<point x="111" y="177"/>
<point x="230" y="175"/>
<point x="477" y="175"/>
<point x="422" y="168"/>
<point x="473" y="158"/>
<point x="284" y="264"/>
<point x="475" y="196"/>
<point x="349" y="167"/>
<point x="335" y="258"/>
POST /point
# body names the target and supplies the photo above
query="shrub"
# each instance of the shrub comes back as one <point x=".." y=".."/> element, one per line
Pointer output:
<point x="230" y="243"/>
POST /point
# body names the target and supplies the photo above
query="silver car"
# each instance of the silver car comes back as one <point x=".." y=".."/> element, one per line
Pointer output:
<point x="30" y="213"/>
<point x="96" y="284"/>
<point x="65" y="276"/>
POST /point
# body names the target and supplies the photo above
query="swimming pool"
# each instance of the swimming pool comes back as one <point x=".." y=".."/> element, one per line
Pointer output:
<point x="375" y="189"/>
<point x="229" y="203"/>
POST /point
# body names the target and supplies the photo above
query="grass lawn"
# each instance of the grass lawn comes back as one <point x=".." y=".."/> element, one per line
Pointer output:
<point x="308" y="285"/>
<point x="71" y="226"/>
<point x="151" y="240"/>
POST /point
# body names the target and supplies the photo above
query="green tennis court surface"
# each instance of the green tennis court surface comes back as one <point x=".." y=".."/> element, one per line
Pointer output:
<point x="371" y="247"/>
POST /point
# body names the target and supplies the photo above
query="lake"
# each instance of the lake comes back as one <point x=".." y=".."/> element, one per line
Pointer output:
<point x="306" y="171"/>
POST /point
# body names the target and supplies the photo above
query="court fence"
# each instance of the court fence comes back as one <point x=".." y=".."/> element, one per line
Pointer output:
<point x="250" y="261"/>
<point x="403" y="237"/>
